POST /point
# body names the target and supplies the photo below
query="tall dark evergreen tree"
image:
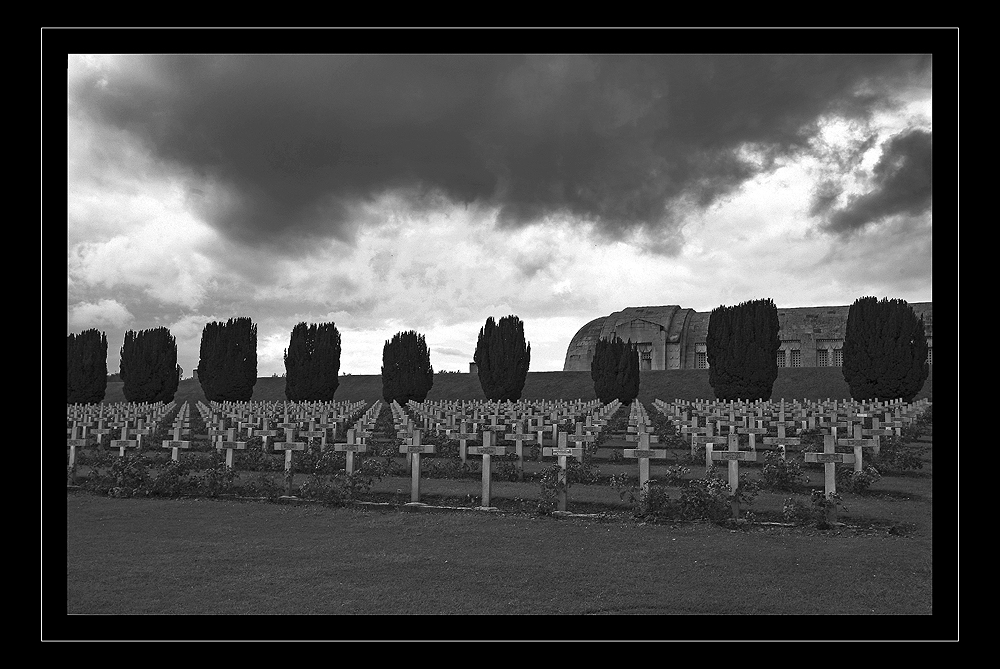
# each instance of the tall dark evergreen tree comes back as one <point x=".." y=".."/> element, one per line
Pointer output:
<point x="149" y="370"/>
<point x="406" y="368"/>
<point x="885" y="350"/>
<point x="227" y="366"/>
<point x="615" y="370"/>
<point x="312" y="362"/>
<point x="86" y="367"/>
<point x="742" y="347"/>
<point x="502" y="358"/>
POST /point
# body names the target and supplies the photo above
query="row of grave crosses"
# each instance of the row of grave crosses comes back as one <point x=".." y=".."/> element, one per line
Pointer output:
<point x="87" y="424"/>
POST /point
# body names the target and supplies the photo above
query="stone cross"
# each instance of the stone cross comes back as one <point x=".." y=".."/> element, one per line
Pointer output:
<point x="696" y="431"/>
<point x="876" y="432"/>
<point x="414" y="448"/>
<point x="139" y="432"/>
<point x="781" y="440"/>
<point x="463" y="435"/>
<point x="580" y="438"/>
<point x="487" y="450"/>
<point x="289" y="447"/>
<point x="230" y="445"/>
<point x="562" y="451"/>
<point x="101" y="430"/>
<point x="753" y="432"/>
<point x="176" y="444"/>
<point x="124" y="442"/>
<point x="316" y="431"/>
<point x="733" y="455"/>
<point x="644" y="453"/>
<point x="263" y="432"/>
<point x="73" y="444"/>
<point x="350" y="447"/>
<point x="829" y="457"/>
<point x="708" y="440"/>
<point x="518" y="436"/>
<point x="858" y="443"/>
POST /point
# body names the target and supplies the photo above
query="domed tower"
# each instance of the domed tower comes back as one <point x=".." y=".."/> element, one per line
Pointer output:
<point x="661" y="334"/>
<point x="580" y="353"/>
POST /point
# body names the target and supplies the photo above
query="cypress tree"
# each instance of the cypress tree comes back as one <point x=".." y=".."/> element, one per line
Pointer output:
<point x="227" y="367"/>
<point x="599" y="371"/>
<point x="86" y="367"/>
<point x="742" y="346"/>
<point x="406" y="368"/>
<point x="502" y="358"/>
<point x="627" y="376"/>
<point x="615" y="370"/>
<point x="312" y="362"/>
<point x="885" y="350"/>
<point x="149" y="370"/>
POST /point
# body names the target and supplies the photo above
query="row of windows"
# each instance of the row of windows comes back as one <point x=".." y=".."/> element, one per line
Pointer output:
<point x="793" y="358"/>
<point x="826" y="357"/>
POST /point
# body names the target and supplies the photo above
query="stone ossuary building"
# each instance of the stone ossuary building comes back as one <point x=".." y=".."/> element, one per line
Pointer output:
<point x="670" y="337"/>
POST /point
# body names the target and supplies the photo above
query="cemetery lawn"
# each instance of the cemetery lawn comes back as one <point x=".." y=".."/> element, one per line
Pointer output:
<point x="200" y="556"/>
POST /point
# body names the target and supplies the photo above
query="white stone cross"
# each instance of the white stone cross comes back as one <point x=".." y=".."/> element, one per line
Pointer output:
<point x="414" y="448"/>
<point x="463" y="435"/>
<point x="176" y="444"/>
<point x="708" y="439"/>
<point x="231" y="444"/>
<point x="124" y="442"/>
<point x="858" y="443"/>
<point x="644" y="453"/>
<point x="562" y="451"/>
<point x="289" y="447"/>
<point x="518" y="436"/>
<point x="75" y="443"/>
<point x="486" y="450"/>
<point x="829" y="457"/>
<point x="350" y="447"/>
<point x="781" y="441"/>
<point x="733" y="455"/>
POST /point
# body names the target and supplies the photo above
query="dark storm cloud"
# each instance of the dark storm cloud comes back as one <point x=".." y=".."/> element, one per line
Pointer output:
<point x="902" y="184"/>
<point x="622" y="142"/>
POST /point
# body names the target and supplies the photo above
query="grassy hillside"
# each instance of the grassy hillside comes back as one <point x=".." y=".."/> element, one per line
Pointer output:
<point x="793" y="383"/>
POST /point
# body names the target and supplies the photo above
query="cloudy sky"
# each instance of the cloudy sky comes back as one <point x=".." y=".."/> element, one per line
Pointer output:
<point x="429" y="192"/>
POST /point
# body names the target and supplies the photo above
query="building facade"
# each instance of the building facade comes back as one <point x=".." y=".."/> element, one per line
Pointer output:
<point x="670" y="337"/>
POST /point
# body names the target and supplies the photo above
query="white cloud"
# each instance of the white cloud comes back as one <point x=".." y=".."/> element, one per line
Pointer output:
<point x="100" y="315"/>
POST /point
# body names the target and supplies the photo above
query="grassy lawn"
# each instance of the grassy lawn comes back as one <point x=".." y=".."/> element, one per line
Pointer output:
<point x="201" y="556"/>
<point x="151" y="556"/>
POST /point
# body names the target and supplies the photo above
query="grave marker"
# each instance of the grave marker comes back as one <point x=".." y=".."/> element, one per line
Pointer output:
<point x="414" y="448"/>
<point x="781" y="441"/>
<point x="289" y="447"/>
<point x="486" y="451"/>
<point x="352" y="446"/>
<point x="519" y="437"/>
<point x="644" y="453"/>
<point x="562" y="451"/>
<point x="176" y="444"/>
<point x="708" y="440"/>
<point x="858" y="444"/>
<point x="733" y="455"/>
<point x="231" y="444"/>
<point x="829" y="457"/>
<point x="463" y="435"/>
<point x="73" y="444"/>
<point x="124" y="442"/>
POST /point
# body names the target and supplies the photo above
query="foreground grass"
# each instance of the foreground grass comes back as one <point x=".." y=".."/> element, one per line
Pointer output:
<point x="152" y="556"/>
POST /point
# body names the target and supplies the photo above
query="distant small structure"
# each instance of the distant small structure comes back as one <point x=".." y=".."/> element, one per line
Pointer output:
<point x="473" y="368"/>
